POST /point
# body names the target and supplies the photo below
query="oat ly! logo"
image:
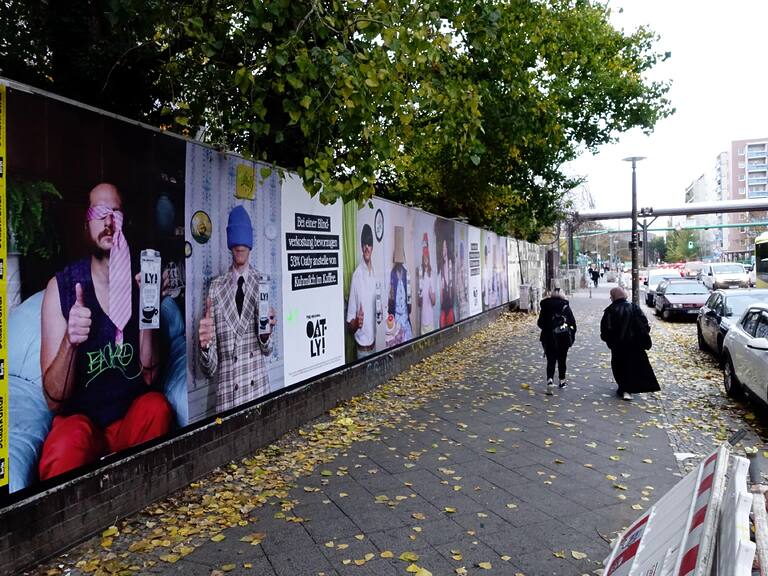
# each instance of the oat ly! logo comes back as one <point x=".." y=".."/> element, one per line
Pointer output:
<point x="118" y="357"/>
<point x="316" y="333"/>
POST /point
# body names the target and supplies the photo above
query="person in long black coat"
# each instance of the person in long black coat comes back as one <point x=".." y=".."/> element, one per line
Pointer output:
<point x="555" y="347"/>
<point x="625" y="329"/>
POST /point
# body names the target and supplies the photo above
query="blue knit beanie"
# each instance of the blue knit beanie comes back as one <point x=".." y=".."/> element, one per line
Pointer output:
<point x="239" y="229"/>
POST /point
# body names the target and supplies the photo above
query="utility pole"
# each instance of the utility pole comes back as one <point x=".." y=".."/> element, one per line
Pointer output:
<point x="635" y="240"/>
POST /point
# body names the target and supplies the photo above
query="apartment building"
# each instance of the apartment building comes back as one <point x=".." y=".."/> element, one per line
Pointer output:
<point x="747" y="178"/>
<point x="709" y="240"/>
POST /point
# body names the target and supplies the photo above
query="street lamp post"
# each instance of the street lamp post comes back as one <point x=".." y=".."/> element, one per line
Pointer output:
<point x="634" y="242"/>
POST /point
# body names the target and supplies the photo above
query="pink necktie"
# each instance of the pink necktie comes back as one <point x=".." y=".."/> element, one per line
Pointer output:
<point x="119" y="270"/>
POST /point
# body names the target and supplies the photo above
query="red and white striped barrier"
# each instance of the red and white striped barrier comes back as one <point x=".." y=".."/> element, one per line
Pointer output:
<point x="676" y="536"/>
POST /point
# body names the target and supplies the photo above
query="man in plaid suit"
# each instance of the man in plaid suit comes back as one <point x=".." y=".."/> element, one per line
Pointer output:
<point x="232" y="348"/>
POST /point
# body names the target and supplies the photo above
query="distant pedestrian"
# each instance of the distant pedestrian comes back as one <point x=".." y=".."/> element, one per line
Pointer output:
<point x="595" y="273"/>
<point x="625" y="329"/>
<point x="558" y="331"/>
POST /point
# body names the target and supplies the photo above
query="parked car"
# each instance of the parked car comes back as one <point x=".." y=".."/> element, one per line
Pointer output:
<point x="652" y="281"/>
<point x="724" y="275"/>
<point x="745" y="354"/>
<point x="692" y="270"/>
<point x="722" y="309"/>
<point x="680" y="298"/>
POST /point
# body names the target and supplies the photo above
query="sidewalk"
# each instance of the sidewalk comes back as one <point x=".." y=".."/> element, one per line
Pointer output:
<point x="488" y="476"/>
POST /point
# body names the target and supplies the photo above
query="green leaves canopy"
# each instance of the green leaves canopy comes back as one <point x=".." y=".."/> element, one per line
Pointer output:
<point x="464" y="107"/>
<point x="682" y="246"/>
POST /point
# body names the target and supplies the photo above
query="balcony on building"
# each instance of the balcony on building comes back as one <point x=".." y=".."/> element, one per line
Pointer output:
<point x="757" y="167"/>
<point x="752" y="153"/>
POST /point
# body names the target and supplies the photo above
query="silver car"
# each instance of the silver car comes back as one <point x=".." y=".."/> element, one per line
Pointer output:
<point x="745" y="354"/>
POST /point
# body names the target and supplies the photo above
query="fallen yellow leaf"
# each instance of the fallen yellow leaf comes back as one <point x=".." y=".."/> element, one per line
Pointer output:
<point x="578" y="555"/>
<point x="170" y="558"/>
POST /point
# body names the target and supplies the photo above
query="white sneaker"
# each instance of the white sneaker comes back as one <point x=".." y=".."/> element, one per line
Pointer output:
<point x="627" y="396"/>
<point x="550" y="387"/>
<point x="563" y="383"/>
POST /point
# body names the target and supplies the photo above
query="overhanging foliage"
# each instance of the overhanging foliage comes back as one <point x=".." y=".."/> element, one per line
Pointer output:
<point x="464" y="108"/>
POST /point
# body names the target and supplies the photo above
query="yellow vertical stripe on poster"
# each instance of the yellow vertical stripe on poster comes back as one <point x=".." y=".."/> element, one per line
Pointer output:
<point x="3" y="299"/>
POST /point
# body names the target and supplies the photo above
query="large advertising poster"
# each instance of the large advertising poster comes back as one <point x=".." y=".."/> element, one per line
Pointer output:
<point x="313" y="299"/>
<point x="489" y="296"/>
<point x="95" y="260"/>
<point x="501" y="243"/>
<point x="494" y="270"/>
<point x="424" y="249"/>
<point x="446" y="279"/>
<point x="513" y="269"/>
<point x="475" y="277"/>
<point x="399" y="279"/>
<point x="234" y="281"/>
<point x="3" y="309"/>
<point x="461" y="251"/>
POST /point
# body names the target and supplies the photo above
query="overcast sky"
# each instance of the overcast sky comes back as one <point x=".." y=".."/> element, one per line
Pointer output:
<point x="719" y="88"/>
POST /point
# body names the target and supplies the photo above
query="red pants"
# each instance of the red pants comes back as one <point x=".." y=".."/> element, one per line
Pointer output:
<point x="75" y="440"/>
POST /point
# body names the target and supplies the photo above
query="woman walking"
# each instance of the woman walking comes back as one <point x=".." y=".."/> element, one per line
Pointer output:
<point x="558" y="331"/>
<point x="625" y="329"/>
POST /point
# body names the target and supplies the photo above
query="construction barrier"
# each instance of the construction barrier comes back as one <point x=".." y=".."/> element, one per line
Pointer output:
<point x="705" y="516"/>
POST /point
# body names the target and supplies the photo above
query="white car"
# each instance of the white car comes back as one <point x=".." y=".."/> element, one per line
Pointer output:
<point x="745" y="354"/>
<point x="652" y="282"/>
<point x="724" y="275"/>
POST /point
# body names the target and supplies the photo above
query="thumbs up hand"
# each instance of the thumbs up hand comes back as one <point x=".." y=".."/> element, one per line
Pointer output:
<point x="79" y="323"/>
<point x="207" y="329"/>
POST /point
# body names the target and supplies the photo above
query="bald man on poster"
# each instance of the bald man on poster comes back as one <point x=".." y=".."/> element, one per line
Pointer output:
<point x="97" y="367"/>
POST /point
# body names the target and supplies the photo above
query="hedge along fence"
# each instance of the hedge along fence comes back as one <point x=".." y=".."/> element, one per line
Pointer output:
<point x="328" y="285"/>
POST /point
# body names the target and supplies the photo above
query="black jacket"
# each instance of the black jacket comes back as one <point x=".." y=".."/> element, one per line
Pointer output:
<point x="549" y="308"/>
<point x="624" y="324"/>
<point x="625" y="329"/>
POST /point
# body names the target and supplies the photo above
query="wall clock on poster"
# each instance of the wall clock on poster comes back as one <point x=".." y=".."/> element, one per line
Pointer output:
<point x="378" y="224"/>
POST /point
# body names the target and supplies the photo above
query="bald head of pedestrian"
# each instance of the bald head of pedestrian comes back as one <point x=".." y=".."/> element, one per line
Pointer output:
<point x="618" y="294"/>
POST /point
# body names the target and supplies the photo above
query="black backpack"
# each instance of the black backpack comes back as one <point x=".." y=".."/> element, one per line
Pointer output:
<point x="561" y="332"/>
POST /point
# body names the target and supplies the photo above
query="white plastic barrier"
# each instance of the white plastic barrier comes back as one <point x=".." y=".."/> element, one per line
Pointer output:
<point x="735" y="551"/>
<point x="676" y="536"/>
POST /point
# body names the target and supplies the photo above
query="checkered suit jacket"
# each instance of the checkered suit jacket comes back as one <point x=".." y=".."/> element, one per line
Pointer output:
<point x="235" y="358"/>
